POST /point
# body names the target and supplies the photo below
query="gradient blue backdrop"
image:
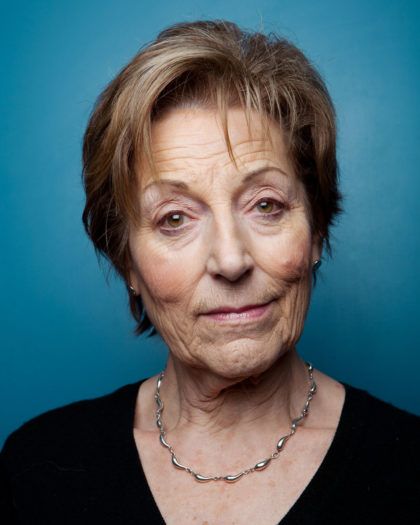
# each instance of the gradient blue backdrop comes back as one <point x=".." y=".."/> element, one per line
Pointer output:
<point x="65" y="334"/>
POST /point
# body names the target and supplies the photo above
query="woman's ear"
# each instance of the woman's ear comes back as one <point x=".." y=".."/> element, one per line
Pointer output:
<point x="132" y="283"/>
<point x="317" y="245"/>
<point x="130" y="274"/>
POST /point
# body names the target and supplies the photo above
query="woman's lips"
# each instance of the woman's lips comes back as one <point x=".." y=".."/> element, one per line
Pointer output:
<point x="245" y="313"/>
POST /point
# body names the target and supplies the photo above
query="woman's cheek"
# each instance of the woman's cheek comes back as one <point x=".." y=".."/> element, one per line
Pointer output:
<point x="169" y="273"/>
<point x="289" y="258"/>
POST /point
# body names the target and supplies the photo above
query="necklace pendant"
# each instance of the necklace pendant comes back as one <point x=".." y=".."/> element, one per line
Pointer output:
<point x="233" y="479"/>
<point x="281" y="442"/>
<point x="163" y="442"/>
<point x="203" y="479"/>
<point x="177" y="464"/>
<point x="262" y="464"/>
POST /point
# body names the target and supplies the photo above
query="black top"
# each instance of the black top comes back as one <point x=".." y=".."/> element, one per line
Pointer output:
<point x="79" y="465"/>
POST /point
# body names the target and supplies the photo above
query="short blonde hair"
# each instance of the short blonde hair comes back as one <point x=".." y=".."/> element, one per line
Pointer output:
<point x="206" y="64"/>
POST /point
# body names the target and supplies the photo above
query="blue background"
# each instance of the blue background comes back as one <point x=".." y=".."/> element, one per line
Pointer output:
<point x="65" y="333"/>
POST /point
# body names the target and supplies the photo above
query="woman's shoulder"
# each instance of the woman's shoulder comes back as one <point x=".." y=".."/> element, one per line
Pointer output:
<point x="371" y="467"/>
<point x="370" y="424"/>
<point x="75" y="428"/>
<point x="71" y="464"/>
<point x="370" y="408"/>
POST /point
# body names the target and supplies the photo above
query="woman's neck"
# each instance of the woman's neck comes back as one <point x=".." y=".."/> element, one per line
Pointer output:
<point x="205" y="403"/>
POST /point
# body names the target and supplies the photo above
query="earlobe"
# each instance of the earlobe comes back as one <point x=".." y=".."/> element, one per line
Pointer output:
<point x="316" y="264"/>
<point x="132" y="283"/>
<point x="132" y="291"/>
<point x="317" y="244"/>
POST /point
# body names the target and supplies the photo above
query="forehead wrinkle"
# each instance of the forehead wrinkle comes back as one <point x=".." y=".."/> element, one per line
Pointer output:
<point x="188" y="159"/>
<point x="200" y="156"/>
<point x="219" y="143"/>
<point x="196" y="172"/>
<point x="192" y="165"/>
<point x="184" y="141"/>
<point x="219" y="160"/>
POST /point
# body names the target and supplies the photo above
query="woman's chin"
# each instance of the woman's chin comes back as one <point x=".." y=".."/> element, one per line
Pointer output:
<point x="241" y="363"/>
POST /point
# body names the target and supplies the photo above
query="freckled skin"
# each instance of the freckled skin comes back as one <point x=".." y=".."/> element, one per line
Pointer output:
<point x="225" y="251"/>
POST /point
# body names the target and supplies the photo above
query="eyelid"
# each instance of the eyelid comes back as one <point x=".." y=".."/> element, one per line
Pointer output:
<point x="275" y="200"/>
<point x="266" y="190"/>
<point x="171" y="230"/>
<point x="176" y="198"/>
<point x="169" y="214"/>
<point x="180" y="207"/>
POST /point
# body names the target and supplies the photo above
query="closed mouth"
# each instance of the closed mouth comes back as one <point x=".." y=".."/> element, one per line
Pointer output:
<point x="247" y="312"/>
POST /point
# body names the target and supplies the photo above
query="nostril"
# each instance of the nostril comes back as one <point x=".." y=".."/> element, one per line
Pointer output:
<point x="234" y="278"/>
<point x="231" y="268"/>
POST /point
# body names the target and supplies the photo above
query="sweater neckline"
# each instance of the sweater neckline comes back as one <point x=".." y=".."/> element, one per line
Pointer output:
<point x="326" y="474"/>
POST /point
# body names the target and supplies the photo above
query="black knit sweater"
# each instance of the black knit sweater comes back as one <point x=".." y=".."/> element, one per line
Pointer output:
<point x="79" y="465"/>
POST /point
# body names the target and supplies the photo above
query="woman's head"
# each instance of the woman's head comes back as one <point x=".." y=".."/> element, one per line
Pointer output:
<point x="204" y="65"/>
<point x="222" y="251"/>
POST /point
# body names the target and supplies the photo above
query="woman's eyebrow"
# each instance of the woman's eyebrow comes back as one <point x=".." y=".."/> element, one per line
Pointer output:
<point x="167" y="182"/>
<point x="261" y="171"/>
<point x="179" y="184"/>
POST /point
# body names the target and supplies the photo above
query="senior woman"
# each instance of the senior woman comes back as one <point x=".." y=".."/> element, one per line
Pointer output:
<point x="211" y="183"/>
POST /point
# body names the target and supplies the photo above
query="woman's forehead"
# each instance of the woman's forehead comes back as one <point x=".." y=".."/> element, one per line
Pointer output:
<point x="194" y="141"/>
<point x="202" y="126"/>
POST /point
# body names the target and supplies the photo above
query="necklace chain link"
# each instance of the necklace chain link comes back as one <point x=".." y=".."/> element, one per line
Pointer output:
<point x="261" y="465"/>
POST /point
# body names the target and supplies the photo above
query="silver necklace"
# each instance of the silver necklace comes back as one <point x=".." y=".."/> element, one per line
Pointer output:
<point x="236" y="477"/>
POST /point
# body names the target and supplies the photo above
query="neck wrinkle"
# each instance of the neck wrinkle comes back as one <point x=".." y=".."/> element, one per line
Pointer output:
<point x="216" y="405"/>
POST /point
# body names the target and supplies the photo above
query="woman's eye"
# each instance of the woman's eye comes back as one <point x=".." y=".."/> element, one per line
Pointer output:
<point x="174" y="220"/>
<point x="269" y="207"/>
<point x="265" y="206"/>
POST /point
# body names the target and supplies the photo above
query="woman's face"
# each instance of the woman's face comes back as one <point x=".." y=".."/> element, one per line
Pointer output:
<point x="222" y="255"/>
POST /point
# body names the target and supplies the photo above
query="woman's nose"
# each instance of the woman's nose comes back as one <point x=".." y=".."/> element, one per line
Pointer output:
<point x="228" y="254"/>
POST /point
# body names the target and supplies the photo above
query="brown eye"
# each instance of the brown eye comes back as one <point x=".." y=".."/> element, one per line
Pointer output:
<point x="175" y="220"/>
<point x="265" y="206"/>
